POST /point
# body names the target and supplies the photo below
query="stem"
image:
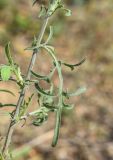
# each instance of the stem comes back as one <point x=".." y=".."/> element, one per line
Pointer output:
<point x="22" y="94"/>
<point x="59" y="111"/>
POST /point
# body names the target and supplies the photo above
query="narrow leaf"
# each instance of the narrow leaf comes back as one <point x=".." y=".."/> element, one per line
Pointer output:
<point x="57" y="126"/>
<point x="50" y="107"/>
<point x="38" y="76"/>
<point x="41" y="77"/>
<point x="8" y="54"/>
<point x="41" y="91"/>
<point x="7" y="91"/>
<point x="7" y="105"/>
<point x="72" y="66"/>
<point x="77" y="93"/>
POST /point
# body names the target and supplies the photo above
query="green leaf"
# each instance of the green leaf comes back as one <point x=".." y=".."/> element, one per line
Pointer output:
<point x="18" y="73"/>
<point x="7" y="105"/>
<point x="7" y="91"/>
<point x="43" y="11"/>
<point x="68" y="12"/>
<point x="67" y="106"/>
<point x="8" y="54"/>
<point x="57" y="126"/>
<point x="41" y="90"/>
<point x="54" y="5"/>
<point x="43" y="77"/>
<point x="40" y="76"/>
<point x="5" y="73"/>
<point x="16" y="70"/>
<point x="48" y="99"/>
<point x="72" y="66"/>
<point x="77" y="93"/>
<point x="50" y="107"/>
<point x="29" y="100"/>
<point x="41" y="116"/>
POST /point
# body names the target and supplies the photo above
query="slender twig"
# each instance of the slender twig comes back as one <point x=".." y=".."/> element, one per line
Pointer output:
<point x="22" y="94"/>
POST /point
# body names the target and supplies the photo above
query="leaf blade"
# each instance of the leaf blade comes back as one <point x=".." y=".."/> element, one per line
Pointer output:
<point x="5" y="73"/>
<point x="8" y="54"/>
<point x="41" y="91"/>
<point x="76" y="93"/>
<point x="7" y="91"/>
<point x="7" y="105"/>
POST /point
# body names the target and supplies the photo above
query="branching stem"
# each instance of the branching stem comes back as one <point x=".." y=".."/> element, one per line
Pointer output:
<point x="23" y="91"/>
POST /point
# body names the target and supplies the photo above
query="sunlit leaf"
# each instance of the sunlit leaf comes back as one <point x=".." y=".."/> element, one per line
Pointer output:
<point x="17" y="71"/>
<point x="5" y="73"/>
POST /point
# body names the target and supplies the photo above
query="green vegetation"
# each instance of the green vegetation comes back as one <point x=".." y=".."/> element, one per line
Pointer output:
<point x="49" y="99"/>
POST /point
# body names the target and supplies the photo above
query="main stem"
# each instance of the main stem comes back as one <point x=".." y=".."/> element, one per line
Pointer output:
<point x="22" y="94"/>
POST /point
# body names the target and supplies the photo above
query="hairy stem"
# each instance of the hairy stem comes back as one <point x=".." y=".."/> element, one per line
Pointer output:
<point x="22" y="94"/>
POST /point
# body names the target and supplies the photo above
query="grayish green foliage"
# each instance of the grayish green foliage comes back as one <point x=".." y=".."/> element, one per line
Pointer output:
<point x="46" y="98"/>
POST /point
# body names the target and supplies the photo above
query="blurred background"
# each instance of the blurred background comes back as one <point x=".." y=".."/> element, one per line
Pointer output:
<point x="87" y="130"/>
